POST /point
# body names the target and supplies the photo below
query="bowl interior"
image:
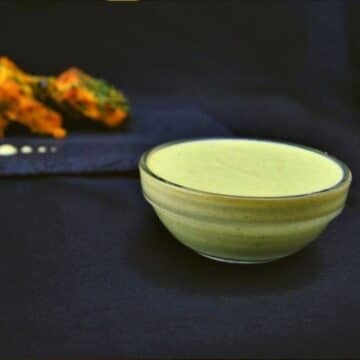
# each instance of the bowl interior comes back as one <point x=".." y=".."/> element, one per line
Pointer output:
<point x="245" y="168"/>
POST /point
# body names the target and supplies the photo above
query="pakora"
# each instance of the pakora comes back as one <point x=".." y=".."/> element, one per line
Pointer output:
<point x="18" y="104"/>
<point x="41" y="102"/>
<point x="76" y="92"/>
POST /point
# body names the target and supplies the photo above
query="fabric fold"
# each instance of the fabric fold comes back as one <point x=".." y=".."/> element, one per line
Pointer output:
<point x="92" y="152"/>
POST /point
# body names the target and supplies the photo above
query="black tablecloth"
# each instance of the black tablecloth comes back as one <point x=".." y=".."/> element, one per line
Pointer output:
<point x="86" y="268"/>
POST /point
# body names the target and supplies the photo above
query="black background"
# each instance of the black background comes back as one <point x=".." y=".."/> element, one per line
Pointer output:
<point x="279" y="69"/>
<point x="86" y="268"/>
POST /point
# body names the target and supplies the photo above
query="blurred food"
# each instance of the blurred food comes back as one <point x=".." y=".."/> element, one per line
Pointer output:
<point x="76" y="92"/>
<point x="39" y="102"/>
<point x="18" y="104"/>
<point x="9" y="68"/>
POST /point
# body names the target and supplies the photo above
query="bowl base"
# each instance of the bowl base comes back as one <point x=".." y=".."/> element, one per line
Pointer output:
<point x="239" y="261"/>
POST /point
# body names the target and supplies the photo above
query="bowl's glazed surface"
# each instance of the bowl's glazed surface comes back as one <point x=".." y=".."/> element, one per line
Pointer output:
<point x="242" y="229"/>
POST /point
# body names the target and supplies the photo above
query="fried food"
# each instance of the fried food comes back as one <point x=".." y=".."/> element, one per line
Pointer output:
<point x="18" y="104"/>
<point x="8" y="69"/>
<point x="20" y="107"/>
<point x="39" y="102"/>
<point x="80" y="94"/>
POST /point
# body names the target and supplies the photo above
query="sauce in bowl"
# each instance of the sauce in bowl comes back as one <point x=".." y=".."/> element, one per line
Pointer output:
<point x="245" y="167"/>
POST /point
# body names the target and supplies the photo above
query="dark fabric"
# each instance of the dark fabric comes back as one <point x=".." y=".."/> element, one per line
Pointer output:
<point x="86" y="268"/>
<point x="116" y="151"/>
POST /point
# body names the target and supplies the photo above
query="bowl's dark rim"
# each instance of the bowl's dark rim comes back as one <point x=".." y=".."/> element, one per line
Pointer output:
<point x="345" y="178"/>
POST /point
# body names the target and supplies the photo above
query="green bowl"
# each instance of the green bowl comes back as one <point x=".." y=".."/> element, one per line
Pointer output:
<point x="241" y="229"/>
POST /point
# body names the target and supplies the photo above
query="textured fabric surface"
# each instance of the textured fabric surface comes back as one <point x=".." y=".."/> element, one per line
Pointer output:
<point x="87" y="270"/>
<point x="116" y="151"/>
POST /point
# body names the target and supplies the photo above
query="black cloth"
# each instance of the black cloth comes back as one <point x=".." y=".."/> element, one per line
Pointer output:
<point x="86" y="268"/>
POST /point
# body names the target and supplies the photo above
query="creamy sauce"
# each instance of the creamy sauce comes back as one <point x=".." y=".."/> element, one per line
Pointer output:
<point x="8" y="150"/>
<point x="26" y="149"/>
<point x="42" y="149"/>
<point x="245" y="167"/>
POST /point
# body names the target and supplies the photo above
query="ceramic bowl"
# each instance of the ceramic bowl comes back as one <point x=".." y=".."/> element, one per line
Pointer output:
<point x="242" y="229"/>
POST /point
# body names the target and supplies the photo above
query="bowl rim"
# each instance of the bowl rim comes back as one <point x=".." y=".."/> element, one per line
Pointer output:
<point x="345" y="179"/>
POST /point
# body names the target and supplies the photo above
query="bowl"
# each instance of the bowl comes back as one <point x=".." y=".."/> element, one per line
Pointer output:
<point x="239" y="228"/>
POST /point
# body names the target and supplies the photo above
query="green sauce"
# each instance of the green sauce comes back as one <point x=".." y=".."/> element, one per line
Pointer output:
<point x="245" y="167"/>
